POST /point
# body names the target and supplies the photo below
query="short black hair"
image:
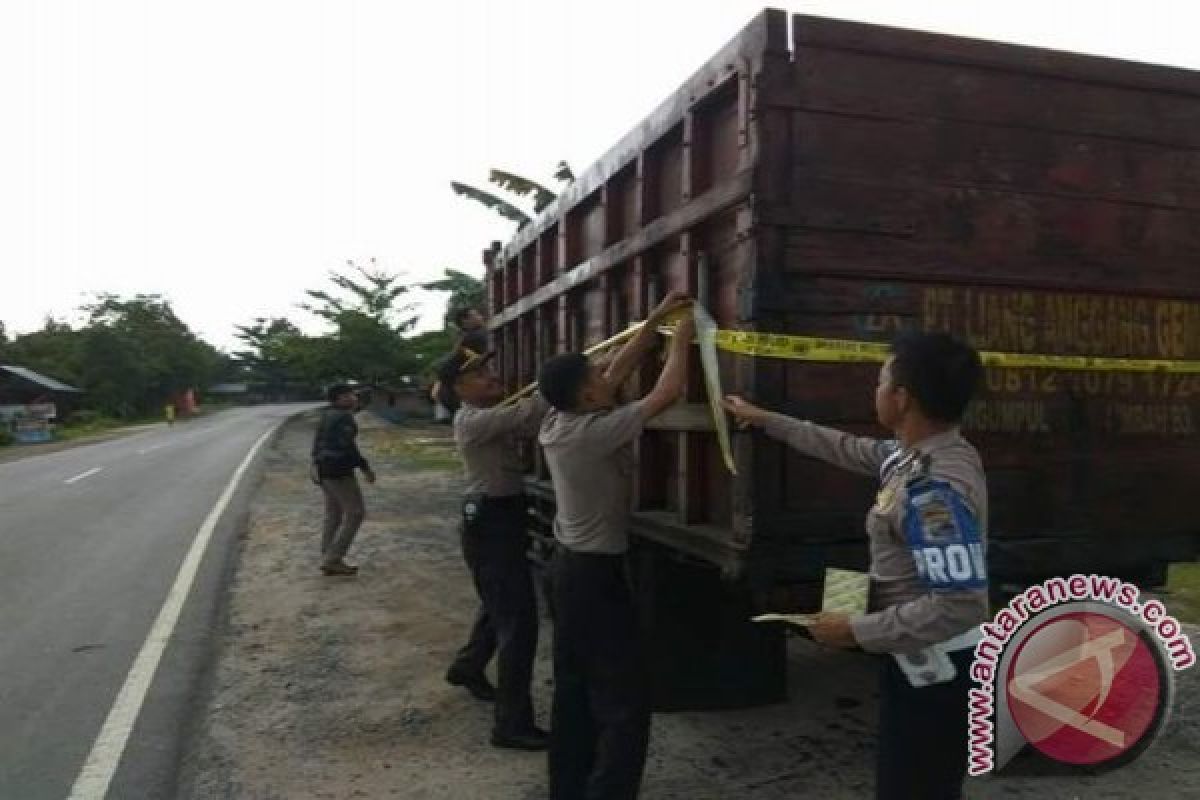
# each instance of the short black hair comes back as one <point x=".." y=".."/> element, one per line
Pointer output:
<point x="940" y="371"/>
<point x="460" y="316"/>
<point x="561" y="378"/>
<point x="337" y="390"/>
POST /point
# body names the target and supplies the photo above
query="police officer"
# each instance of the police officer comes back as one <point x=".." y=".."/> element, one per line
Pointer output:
<point x="601" y="715"/>
<point x="472" y="330"/>
<point x="927" y="531"/>
<point x="494" y="542"/>
<point x="473" y="336"/>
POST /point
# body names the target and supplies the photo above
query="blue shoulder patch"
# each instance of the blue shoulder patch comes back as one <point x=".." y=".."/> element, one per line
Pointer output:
<point x="944" y="537"/>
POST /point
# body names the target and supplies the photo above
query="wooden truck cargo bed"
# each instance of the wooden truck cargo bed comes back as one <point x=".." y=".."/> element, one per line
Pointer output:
<point x="829" y="178"/>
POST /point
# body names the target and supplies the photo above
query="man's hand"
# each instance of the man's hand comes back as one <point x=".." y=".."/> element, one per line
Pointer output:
<point x="685" y="332"/>
<point x="832" y="629"/>
<point x="670" y="303"/>
<point x="369" y="474"/>
<point x="637" y="348"/>
<point x="744" y="412"/>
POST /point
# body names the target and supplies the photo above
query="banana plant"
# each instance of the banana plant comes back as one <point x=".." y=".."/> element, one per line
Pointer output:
<point x="518" y="187"/>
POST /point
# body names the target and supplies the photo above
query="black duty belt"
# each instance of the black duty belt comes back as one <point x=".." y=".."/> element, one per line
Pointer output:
<point x="512" y="501"/>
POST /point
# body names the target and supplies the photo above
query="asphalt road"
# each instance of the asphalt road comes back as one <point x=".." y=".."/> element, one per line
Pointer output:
<point x="91" y="540"/>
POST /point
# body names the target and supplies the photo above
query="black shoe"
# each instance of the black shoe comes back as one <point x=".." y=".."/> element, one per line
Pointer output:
<point x="532" y="739"/>
<point x="477" y="685"/>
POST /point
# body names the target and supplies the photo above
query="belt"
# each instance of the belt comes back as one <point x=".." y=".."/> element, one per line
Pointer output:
<point x="508" y="501"/>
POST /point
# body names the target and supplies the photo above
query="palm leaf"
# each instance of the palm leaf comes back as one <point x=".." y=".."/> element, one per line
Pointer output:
<point x="497" y="204"/>
<point x="523" y="187"/>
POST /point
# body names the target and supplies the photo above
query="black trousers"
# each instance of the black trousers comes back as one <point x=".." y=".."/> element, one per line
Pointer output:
<point x="494" y="546"/>
<point x="601" y="715"/>
<point x="922" y="734"/>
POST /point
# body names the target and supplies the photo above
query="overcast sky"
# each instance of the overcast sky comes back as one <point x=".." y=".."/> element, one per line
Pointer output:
<point x="227" y="153"/>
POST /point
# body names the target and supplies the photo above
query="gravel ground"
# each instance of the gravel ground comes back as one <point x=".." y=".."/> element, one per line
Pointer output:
<point x="332" y="688"/>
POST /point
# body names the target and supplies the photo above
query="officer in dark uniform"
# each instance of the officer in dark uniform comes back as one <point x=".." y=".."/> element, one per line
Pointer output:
<point x="495" y="541"/>
<point x="927" y="533"/>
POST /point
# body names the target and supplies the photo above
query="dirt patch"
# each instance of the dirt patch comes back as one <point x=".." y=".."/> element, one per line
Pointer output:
<point x="332" y="688"/>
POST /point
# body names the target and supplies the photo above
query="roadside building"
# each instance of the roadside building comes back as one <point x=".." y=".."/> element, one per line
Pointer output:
<point x="31" y="403"/>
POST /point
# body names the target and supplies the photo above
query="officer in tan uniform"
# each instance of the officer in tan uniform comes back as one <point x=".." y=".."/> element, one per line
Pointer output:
<point x="601" y="711"/>
<point x="927" y="534"/>
<point x="495" y="542"/>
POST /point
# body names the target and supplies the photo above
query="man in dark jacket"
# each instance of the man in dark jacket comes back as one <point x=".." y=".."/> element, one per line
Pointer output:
<point x="335" y="456"/>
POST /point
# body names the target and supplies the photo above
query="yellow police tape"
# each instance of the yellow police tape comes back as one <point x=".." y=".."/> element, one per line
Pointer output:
<point x="848" y="351"/>
<point x="811" y="348"/>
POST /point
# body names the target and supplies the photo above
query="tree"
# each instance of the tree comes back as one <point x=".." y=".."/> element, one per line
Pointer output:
<point x="369" y="323"/>
<point x="53" y="350"/>
<point x="373" y="293"/>
<point x="130" y="356"/>
<point x="518" y="187"/>
<point x="466" y="291"/>
<point x="270" y="353"/>
<point x="420" y="353"/>
<point x="170" y="358"/>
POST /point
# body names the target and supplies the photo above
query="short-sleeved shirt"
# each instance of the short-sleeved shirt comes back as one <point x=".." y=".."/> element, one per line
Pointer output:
<point x="487" y="441"/>
<point x="590" y="456"/>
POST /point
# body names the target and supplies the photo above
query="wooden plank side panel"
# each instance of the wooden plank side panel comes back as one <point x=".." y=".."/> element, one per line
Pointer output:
<point x="592" y="227"/>
<point x="764" y="37"/>
<point x="548" y="267"/>
<point x="992" y="237"/>
<point x="1102" y="453"/>
<point x="665" y="163"/>
<point x="717" y="138"/>
<point x="819" y="32"/>
<point x="1100" y="496"/>
<point x="859" y="82"/>
<point x="916" y="151"/>
<point x="594" y="313"/>
<point x="1022" y="319"/>
<point x="723" y="251"/>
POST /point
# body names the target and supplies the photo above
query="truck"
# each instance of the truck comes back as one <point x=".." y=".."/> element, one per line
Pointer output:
<point x="828" y="178"/>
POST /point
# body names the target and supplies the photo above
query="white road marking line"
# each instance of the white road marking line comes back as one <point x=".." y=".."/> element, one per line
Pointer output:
<point x="101" y="764"/>
<point x="83" y="475"/>
<point x="150" y="449"/>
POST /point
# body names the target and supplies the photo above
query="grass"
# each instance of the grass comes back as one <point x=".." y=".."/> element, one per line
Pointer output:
<point x="66" y="433"/>
<point x="1183" y="592"/>
<point x="418" y="452"/>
